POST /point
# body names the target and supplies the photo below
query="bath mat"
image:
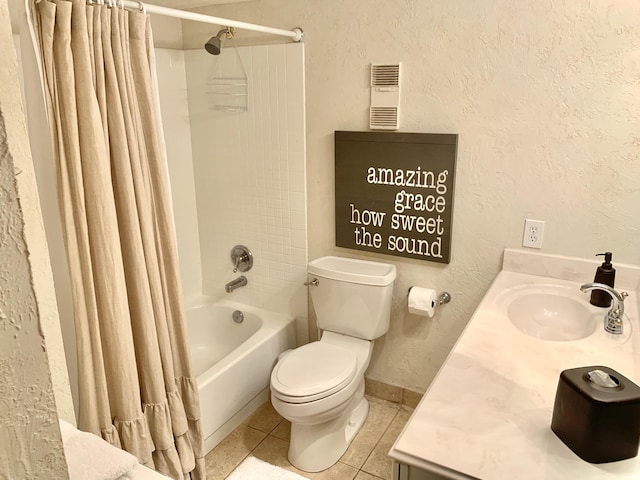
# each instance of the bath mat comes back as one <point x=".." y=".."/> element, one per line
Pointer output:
<point x="254" y="469"/>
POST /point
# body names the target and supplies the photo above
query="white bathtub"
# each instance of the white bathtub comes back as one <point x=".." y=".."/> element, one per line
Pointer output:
<point x="233" y="362"/>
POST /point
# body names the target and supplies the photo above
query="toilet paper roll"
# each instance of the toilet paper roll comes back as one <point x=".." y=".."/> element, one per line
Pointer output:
<point x="422" y="301"/>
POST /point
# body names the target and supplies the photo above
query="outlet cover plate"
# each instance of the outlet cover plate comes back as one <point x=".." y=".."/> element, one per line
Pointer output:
<point x="533" y="233"/>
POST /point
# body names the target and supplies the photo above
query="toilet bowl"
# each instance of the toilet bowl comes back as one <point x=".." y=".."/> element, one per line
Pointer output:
<point x="319" y="387"/>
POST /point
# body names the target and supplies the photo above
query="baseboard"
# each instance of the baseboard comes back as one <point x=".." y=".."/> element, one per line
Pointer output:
<point x="373" y="388"/>
<point x="391" y="393"/>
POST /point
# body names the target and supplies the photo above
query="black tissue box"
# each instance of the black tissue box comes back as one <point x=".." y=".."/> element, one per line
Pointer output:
<point x="600" y="424"/>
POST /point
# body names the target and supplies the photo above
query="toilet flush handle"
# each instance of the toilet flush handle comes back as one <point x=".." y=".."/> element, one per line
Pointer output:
<point x="314" y="282"/>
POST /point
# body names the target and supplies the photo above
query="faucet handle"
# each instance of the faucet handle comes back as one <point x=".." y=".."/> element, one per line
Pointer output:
<point x="241" y="258"/>
<point x="613" y="318"/>
<point x="616" y="311"/>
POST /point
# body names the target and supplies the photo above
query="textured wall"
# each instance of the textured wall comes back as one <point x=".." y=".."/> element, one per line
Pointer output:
<point x="31" y="443"/>
<point x="39" y="217"/>
<point x="545" y="96"/>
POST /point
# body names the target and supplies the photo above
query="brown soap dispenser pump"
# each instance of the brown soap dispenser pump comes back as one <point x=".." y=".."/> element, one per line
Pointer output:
<point x="604" y="274"/>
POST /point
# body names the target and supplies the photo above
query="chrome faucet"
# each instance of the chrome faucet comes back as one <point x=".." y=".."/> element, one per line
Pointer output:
<point x="241" y="281"/>
<point x="613" y="318"/>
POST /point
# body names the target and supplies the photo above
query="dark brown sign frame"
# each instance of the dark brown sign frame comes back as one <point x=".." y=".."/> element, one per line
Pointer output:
<point x="394" y="193"/>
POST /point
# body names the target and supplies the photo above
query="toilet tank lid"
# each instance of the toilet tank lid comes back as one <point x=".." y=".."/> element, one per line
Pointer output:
<point x="354" y="271"/>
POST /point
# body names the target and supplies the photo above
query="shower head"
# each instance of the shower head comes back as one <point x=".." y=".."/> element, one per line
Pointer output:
<point x="214" y="45"/>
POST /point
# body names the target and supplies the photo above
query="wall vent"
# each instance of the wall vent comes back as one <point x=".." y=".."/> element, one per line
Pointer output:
<point x="385" y="75"/>
<point x="384" y="117"/>
<point x="385" y="97"/>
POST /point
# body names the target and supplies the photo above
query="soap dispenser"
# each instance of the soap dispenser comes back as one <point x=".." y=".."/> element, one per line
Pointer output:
<point x="604" y="274"/>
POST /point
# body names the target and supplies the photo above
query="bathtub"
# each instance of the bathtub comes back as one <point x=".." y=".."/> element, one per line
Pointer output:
<point x="232" y="361"/>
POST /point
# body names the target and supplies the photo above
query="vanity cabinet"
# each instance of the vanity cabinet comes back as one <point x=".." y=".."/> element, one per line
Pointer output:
<point x="487" y="413"/>
<point x="403" y="471"/>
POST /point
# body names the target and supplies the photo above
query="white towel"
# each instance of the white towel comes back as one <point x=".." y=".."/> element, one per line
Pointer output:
<point x="254" y="469"/>
<point x="89" y="457"/>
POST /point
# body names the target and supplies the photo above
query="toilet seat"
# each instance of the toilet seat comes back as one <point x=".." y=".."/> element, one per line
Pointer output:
<point x="312" y="372"/>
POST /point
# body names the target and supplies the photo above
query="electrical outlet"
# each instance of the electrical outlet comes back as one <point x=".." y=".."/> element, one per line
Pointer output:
<point x="533" y="233"/>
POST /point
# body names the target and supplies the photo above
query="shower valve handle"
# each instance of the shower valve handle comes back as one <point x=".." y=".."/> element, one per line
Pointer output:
<point x="241" y="258"/>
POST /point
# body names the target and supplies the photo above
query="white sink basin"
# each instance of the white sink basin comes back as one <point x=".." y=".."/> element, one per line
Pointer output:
<point x="548" y="316"/>
<point x="557" y="312"/>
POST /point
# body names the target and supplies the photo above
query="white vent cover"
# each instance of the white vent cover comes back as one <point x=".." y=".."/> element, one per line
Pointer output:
<point x="385" y="96"/>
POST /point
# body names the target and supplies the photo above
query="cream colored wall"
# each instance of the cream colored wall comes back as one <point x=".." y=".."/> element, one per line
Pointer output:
<point x="167" y="32"/>
<point x="31" y="446"/>
<point x="545" y="97"/>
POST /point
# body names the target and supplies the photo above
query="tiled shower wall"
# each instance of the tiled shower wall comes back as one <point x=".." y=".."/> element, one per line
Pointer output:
<point x="172" y="84"/>
<point x="249" y="168"/>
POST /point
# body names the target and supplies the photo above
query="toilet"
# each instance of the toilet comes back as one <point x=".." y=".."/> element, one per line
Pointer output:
<point x="319" y="387"/>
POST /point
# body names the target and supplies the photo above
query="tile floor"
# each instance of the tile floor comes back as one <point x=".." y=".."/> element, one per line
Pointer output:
<point x="265" y="435"/>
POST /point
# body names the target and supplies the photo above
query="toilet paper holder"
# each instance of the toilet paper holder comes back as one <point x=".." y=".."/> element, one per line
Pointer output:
<point x="444" y="297"/>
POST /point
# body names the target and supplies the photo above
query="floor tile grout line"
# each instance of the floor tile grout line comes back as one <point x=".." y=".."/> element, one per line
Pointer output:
<point x="266" y="435"/>
<point x="378" y="443"/>
<point x="243" y="459"/>
<point x="259" y="443"/>
<point x="270" y="431"/>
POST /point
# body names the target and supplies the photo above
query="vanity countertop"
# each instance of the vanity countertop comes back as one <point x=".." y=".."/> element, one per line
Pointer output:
<point x="487" y="414"/>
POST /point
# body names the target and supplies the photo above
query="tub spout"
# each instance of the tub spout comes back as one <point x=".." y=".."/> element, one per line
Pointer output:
<point x="241" y="281"/>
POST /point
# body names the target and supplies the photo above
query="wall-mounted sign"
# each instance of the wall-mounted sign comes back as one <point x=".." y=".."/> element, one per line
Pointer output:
<point x="394" y="193"/>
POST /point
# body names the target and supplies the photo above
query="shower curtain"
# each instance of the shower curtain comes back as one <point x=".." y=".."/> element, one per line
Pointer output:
<point x="136" y="386"/>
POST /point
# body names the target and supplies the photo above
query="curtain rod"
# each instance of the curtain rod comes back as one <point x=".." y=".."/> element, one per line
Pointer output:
<point x="296" y="34"/>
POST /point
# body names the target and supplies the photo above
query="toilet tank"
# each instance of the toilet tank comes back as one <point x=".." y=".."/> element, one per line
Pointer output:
<point x="352" y="297"/>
